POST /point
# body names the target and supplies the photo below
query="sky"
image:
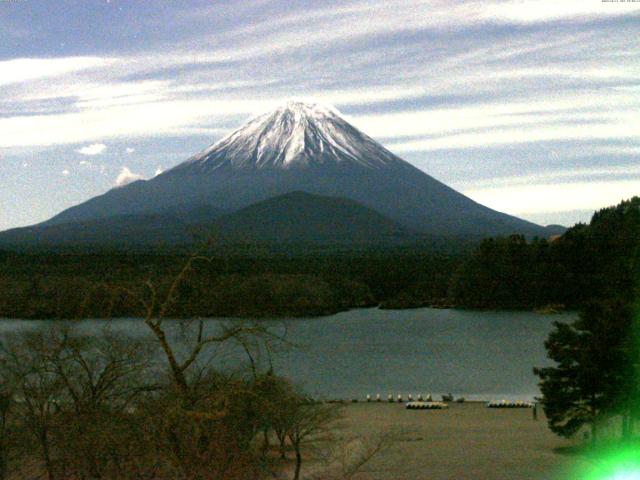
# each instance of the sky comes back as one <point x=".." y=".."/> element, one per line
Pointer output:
<point x="531" y="107"/>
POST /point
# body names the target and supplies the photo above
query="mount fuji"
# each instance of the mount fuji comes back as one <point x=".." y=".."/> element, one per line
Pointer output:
<point x="299" y="147"/>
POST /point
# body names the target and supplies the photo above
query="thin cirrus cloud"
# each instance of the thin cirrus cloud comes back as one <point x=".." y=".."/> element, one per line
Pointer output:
<point x="285" y="32"/>
<point x="575" y="175"/>
<point x="165" y="115"/>
<point x="529" y="11"/>
<point x="620" y="128"/>
<point x="572" y="117"/>
<point x="27" y="69"/>
<point x="555" y="197"/>
<point x="101" y="107"/>
<point x="430" y="79"/>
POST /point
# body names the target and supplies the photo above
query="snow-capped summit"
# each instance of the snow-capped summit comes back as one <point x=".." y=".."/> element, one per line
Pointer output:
<point x="297" y="134"/>
<point x="303" y="147"/>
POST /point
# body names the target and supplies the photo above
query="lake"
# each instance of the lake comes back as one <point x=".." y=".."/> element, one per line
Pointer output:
<point x="478" y="355"/>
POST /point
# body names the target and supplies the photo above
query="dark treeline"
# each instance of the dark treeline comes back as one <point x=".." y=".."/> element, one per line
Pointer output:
<point x="585" y="263"/>
<point x="55" y="285"/>
<point x="595" y="380"/>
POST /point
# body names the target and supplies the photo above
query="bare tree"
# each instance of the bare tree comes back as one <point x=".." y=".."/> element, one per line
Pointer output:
<point x="102" y="376"/>
<point x="37" y="390"/>
<point x="308" y="421"/>
<point x="156" y="307"/>
<point x="212" y="420"/>
<point x="356" y="454"/>
<point x="73" y="394"/>
<point x="6" y="407"/>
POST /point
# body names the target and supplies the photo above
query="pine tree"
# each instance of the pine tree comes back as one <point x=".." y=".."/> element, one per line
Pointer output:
<point x="594" y="377"/>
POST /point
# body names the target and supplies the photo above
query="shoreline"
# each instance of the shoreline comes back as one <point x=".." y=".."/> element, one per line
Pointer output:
<point x="293" y="317"/>
<point x="480" y="356"/>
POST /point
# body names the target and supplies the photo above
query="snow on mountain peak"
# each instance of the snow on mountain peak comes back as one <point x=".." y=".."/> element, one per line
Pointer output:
<point x="296" y="134"/>
<point x="308" y="109"/>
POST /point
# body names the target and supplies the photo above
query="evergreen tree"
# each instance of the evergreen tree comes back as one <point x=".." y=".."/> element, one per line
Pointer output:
<point x="594" y="377"/>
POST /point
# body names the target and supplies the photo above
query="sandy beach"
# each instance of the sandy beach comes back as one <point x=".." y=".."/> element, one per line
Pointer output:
<point x="466" y="441"/>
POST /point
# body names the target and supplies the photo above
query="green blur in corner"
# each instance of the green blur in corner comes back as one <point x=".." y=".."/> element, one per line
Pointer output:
<point x="613" y="462"/>
<point x="617" y="460"/>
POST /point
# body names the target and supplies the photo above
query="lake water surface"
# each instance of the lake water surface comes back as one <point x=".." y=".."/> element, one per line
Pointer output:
<point x="479" y="355"/>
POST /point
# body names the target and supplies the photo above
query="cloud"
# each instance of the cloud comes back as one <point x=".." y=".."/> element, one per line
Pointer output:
<point x="127" y="176"/>
<point x="150" y="94"/>
<point x="109" y="116"/>
<point x="95" y="95"/>
<point x="29" y="69"/>
<point x="574" y="175"/>
<point x="155" y="119"/>
<point x="158" y="171"/>
<point x="497" y="82"/>
<point x="558" y="118"/>
<point x="531" y="11"/>
<point x="84" y="163"/>
<point x="555" y="197"/>
<point x="93" y="149"/>
<point x="524" y="134"/>
<point x="325" y="27"/>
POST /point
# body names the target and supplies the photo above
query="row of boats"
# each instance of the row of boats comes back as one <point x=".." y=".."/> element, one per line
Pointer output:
<point x="442" y="405"/>
<point x="427" y="402"/>
<point x="426" y="406"/>
<point x="419" y="398"/>
<point x="505" y="404"/>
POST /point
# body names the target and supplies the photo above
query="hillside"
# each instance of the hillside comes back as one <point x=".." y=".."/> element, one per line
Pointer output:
<point x="295" y="217"/>
<point x="302" y="217"/>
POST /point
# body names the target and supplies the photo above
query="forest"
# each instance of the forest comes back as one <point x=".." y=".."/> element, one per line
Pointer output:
<point x="594" y="380"/>
<point x="587" y="262"/>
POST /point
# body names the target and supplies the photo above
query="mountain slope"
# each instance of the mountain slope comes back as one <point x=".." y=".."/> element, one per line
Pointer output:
<point x="295" y="217"/>
<point x="305" y="147"/>
<point x="119" y="230"/>
<point x="177" y="225"/>
<point x="296" y="135"/>
<point x="302" y="217"/>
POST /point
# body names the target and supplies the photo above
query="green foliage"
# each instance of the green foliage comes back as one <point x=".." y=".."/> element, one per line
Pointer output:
<point x="593" y="376"/>
<point x="587" y="263"/>
<point x="597" y="357"/>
